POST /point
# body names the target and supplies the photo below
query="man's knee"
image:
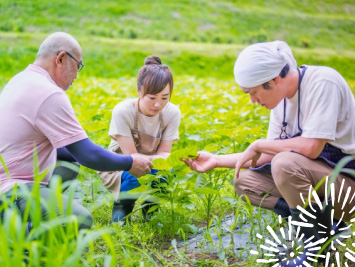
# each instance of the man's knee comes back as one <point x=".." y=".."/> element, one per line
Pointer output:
<point x="68" y="171"/>
<point x="240" y="183"/>
<point x="246" y="184"/>
<point x="283" y="166"/>
<point x="85" y="219"/>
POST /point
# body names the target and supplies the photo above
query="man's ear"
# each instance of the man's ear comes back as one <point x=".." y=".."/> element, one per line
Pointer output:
<point x="277" y="80"/>
<point x="59" y="58"/>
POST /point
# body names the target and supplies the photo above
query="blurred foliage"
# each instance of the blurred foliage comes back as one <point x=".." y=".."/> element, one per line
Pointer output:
<point x="216" y="115"/>
<point x="304" y="23"/>
<point x="115" y="58"/>
<point x="196" y="38"/>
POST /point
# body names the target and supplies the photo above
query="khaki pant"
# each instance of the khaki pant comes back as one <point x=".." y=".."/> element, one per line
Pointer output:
<point x="292" y="175"/>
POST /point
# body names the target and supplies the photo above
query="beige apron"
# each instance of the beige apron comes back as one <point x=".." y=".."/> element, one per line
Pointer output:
<point x="145" y="144"/>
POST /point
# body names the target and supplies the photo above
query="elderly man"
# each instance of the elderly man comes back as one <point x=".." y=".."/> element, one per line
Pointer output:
<point x="312" y="127"/>
<point x="37" y="119"/>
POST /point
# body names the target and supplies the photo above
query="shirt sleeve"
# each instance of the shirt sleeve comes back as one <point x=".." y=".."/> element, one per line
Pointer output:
<point x="121" y="122"/>
<point x="57" y="121"/>
<point x="321" y="110"/>
<point x="172" y="123"/>
<point x="95" y="157"/>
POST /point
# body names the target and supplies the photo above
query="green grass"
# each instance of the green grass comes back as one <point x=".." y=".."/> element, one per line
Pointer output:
<point x="115" y="58"/>
<point x="196" y="38"/>
<point x="200" y="41"/>
<point x="301" y="23"/>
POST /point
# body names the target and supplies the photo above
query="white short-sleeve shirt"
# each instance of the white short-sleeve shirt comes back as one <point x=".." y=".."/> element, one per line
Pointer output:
<point x="327" y="110"/>
<point x="122" y="122"/>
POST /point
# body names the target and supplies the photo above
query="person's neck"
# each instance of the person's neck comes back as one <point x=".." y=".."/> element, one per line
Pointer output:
<point x="44" y="66"/>
<point x="47" y="68"/>
<point x="291" y="82"/>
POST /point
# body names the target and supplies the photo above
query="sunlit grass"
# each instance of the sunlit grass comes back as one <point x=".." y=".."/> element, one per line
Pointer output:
<point x="54" y="241"/>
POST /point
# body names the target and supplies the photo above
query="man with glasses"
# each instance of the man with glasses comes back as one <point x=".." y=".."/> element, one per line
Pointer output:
<point x="38" y="121"/>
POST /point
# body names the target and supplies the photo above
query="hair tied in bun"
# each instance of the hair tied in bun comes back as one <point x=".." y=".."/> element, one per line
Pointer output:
<point x="152" y="60"/>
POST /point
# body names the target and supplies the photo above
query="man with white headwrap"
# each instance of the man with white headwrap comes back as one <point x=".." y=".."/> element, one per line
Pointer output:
<point x="311" y="128"/>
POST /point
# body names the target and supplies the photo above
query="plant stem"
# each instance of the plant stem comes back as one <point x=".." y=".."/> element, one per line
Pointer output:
<point x="172" y="214"/>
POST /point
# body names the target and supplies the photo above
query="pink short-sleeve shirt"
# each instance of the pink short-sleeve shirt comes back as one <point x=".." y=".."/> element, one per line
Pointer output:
<point x="36" y="118"/>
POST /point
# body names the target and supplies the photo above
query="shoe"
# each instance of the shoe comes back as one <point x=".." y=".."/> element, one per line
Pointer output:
<point x="341" y="230"/>
<point x="121" y="209"/>
<point x="281" y="208"/>
<point x="149" y="204"/>
<point x="342" y="227"/>
<point x="29" y="227"/>
<point x="159" y="185"/>
<point x="146" y="206"/>
<point x="318" y="233"/>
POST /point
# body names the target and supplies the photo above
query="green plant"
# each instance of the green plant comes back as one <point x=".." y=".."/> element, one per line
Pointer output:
<point x="35" y="240"/>
<point x="171" y="185"/>
<point x="207" y="188"/>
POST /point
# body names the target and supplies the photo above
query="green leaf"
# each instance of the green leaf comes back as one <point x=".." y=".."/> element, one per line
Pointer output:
<point x="152" y="208"/>
<point x="212" y="147"/>
<point x="193" y="228"/>
<point x="231" y="200"/>
<point x="181" y="179"/>
<point x="206" y="190"/>
<point x="181" y="170"/>
<point x="190" y="206"/>
<point x="195" y="137"/>
<point x="146" y="179"/>
<point x="221" y="255"/>
<point x="187" y="153"/>
<point x="139" y="189"/>
<point x="201" y="181"/>
<point x="161" y="164"/>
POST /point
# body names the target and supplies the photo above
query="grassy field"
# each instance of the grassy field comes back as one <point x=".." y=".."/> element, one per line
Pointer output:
<point x="303" y="23"/>
<point x="200" y="41"/>
<point x="197" y="38"/>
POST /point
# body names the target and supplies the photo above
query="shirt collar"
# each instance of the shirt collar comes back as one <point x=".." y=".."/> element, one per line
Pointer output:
<point x="38" y="69"/>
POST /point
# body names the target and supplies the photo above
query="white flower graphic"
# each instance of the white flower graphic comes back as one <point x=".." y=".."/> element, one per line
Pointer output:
<point x="285" y="246"/>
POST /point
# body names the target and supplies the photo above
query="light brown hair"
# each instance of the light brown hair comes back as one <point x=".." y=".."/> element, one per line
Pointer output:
<point x="153" y="76"/>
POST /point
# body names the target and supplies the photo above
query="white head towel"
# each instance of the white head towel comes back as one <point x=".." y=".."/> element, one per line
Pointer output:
<point x="262" y="62"/>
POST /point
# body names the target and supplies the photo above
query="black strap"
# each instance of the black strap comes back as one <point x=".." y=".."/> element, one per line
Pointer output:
<point x="283" y="134"/>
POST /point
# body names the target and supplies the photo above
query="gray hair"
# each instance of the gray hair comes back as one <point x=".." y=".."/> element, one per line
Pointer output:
<point x="57" y="42"/>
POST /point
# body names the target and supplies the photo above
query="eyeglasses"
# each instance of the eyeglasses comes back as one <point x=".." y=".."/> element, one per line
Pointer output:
<point x="80" y="66"/>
